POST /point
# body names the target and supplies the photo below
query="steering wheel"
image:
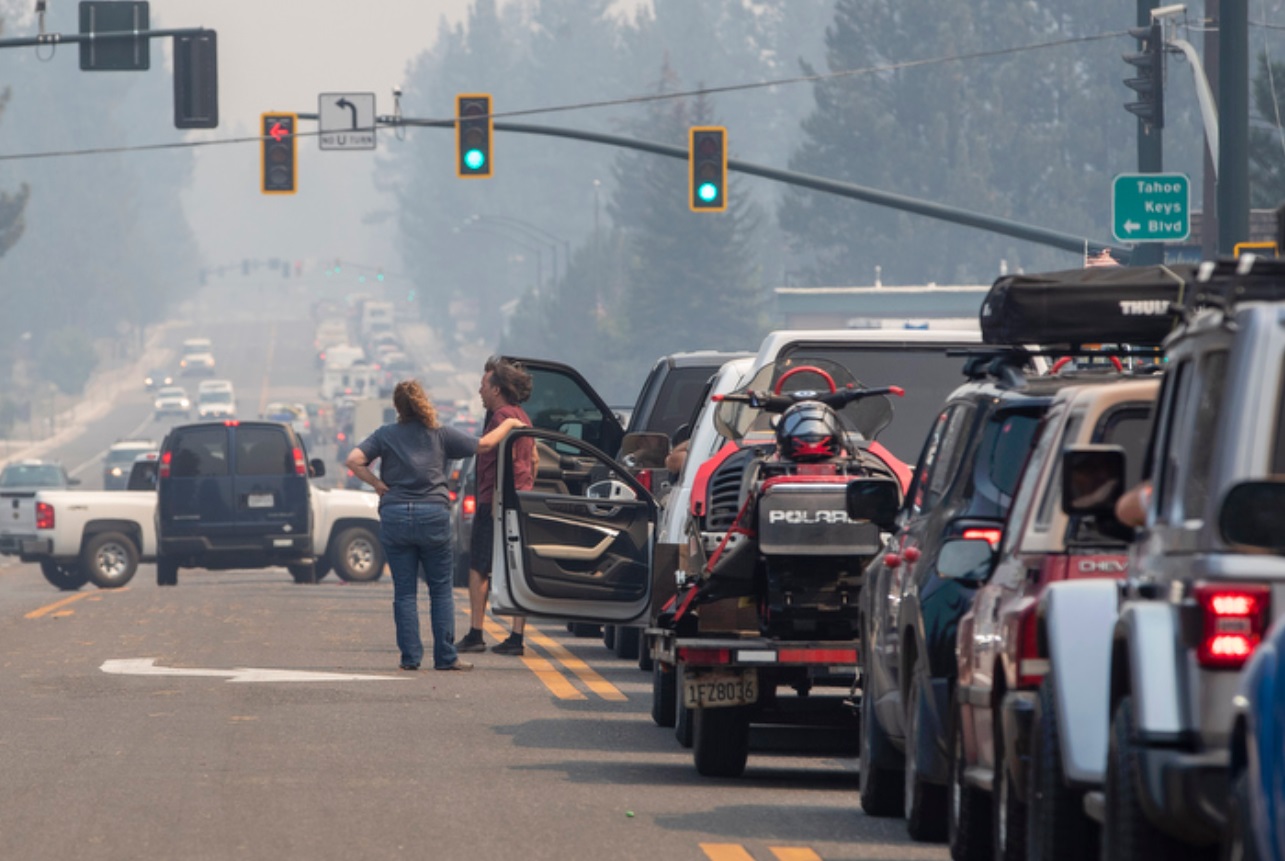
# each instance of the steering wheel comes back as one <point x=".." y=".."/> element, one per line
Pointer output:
<point x="804" y="369"/>
<point x="1065" y="360"/>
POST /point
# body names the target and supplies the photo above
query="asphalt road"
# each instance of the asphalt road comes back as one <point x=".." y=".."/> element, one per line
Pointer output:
<point x="191" y="722"/>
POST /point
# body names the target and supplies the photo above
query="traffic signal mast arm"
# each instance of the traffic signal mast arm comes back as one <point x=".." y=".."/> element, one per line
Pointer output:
<point x="929" y="209"/>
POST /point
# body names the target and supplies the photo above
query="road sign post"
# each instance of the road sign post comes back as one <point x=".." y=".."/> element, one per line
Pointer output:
<point x="1151" y="207"/>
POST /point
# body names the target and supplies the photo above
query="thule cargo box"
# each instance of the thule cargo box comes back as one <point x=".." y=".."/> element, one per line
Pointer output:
<point x="1120" y="305"/>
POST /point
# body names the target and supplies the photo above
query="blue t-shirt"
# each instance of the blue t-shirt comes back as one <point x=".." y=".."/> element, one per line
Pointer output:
<point x="413" y="459"/>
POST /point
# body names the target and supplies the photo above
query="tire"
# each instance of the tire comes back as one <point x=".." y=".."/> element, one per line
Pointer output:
<point x="664" y="695"/>
<point x="303" y="572"/>
<point x="969" y="821"/>
<point x="609" y="636"/>
<point x="925" y="803"/>
<point x="1128" y="835"/>
<point x="881" y="787"/>
<point x="166" y="572"/>
<point x="357" y="555"/>
<point x="627" y="640"/>
<point x="682" y="714"/>
<point x="110" y="559"/>
<point x="68" y="578"/>
<point x="721" y="741"/>
<point x="644" y="654"/>
<point x="1056" y="827"/>
<point x="585" y="629"/>
<point x="1008" y="836"/>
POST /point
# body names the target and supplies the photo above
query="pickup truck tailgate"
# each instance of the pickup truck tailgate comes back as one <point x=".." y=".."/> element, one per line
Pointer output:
<point x="17" y="519"/>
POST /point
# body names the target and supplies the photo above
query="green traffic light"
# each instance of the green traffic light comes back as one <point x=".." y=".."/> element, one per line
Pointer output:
<point x="474" y="159"/>
<point x="707" y="192"/>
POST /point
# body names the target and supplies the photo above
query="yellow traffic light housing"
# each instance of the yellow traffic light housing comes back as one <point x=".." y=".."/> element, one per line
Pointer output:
<point x="707" y="168"/>
<point x="278" y="167"/>
<point x="473" y="128"/>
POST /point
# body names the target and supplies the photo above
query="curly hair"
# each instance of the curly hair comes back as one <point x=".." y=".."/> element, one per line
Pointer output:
<point x="513" y="380"/>
<point x="413" y="405"/>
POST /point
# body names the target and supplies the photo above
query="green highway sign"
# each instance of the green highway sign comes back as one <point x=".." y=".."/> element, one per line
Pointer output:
<point x="1151" y="207"/>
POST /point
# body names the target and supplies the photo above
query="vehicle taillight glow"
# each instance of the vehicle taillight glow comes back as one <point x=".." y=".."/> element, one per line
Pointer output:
<point x="300" y="463"/>
<point x="44" y="515"/>
<point x="992" y="535"/>
<point x="470" y="505"/>
<point x="1031" y="668"/>
<point x="704" y="656"/>
<point x="163" y="470"/>
<point x="1235" y="618"/>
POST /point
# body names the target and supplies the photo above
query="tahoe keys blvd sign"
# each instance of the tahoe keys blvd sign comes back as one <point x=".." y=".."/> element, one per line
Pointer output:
<point x="1151" y="207"/>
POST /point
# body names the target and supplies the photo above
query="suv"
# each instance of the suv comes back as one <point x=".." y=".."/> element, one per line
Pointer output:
<point x="999" y="668"/>
<point x="1144" y="684"/>
<point x="120" y="459"/>
<point x="234" y="495"/>
<point x="962" y="487"/>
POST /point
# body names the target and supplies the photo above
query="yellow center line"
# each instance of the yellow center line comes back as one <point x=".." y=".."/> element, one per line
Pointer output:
<point x="595" y="682"/>
<point x="557" y="684"/>
<point x="794" y="853"/>
<point x="726" y="852"/>
<point x="41" y="612"/>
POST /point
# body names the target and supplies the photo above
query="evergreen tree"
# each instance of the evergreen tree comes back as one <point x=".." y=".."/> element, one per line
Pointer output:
<point x="12" y="204"/>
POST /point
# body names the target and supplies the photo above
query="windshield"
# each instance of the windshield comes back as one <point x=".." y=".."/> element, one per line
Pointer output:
<point x="216" y="397"/>
<point x="124" y="455"/>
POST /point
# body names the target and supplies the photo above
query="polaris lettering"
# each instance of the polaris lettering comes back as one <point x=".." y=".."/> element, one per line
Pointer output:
<point x="806" y="517"/>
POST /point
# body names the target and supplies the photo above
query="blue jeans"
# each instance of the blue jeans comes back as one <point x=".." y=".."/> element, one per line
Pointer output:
<point x="416" y="534"/>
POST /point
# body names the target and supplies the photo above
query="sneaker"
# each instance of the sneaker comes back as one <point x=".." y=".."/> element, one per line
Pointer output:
<point x="509" y="647"/>
<point x="410" y="668"/>
<point x="461" y="666"/>
<point x="469" y="643"/>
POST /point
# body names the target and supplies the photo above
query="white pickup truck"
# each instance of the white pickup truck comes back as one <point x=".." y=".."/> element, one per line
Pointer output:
<point x="101" y="536"/>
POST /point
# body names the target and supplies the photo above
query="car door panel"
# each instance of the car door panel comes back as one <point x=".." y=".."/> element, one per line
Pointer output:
<point x="583" y="550"/>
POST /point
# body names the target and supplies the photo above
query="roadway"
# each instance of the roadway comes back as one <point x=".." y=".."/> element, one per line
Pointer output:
<point x="192" y="722"/>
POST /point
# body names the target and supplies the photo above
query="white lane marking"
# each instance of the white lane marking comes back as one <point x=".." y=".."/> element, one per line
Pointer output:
<point x="136" y="433"/>
<point x="147" y="667"/>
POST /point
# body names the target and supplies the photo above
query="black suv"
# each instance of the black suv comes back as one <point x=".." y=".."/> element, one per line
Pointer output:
<point x="962" y="488"/>
<point x="234" y="495"/>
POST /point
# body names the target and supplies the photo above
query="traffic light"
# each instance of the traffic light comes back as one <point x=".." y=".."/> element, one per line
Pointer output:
<point x="707" y="168"/>
<point x="473" y="136"/>
<point x="1149" y="83"/>
<point x="278" y="161"/>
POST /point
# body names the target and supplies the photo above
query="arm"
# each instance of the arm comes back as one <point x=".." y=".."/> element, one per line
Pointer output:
<point x="491" y="440"/>
<point x="1131" y="509"/>
<point x="360" y="466"/>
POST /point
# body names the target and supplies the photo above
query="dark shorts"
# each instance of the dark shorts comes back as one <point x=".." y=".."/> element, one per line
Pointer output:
<point x="482" y="541"/>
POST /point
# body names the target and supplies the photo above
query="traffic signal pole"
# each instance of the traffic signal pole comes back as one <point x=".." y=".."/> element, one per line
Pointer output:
<point x="1150" y="129"/>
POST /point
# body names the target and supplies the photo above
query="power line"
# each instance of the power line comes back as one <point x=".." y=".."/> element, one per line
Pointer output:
<point x="630" y="100"/>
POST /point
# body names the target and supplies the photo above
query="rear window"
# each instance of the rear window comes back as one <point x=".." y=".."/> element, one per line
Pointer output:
<point x="679" y="394"/>
<point x="263" y="451"/>
<point x="24" y="475"/>
<point x="199" y="452"/>
<point x="1130" y="428"/>
<point x="1006" y="443"/>
<point x="219" y="397"/>
<point x="124" y="455"/>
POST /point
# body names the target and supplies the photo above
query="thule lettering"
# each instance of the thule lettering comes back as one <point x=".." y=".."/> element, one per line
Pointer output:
<point x="807" y="517"/>
<point x="1144" y="307"/>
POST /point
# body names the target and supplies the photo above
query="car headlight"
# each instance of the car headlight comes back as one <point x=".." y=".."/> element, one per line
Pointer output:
<point x="184" y="403"/>
<point x="116" y="471"/>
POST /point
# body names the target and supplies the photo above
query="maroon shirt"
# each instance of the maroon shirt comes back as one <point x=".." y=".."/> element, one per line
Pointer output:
<point x="522" y="451"/>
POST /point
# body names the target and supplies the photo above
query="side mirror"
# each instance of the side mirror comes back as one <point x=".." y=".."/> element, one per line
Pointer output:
<point x="1093" y="478"/>
<point x="318" y="467"/>
<point x="1253" y="515"/>
<point x="72" y="482"/>
<point x="875" y="499"/>
<point x="968" y="559"/>
<point x="644" y="450"/>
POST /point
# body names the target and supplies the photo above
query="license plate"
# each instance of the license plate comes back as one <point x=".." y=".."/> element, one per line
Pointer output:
<point x="259" y="500"/>
<point x="720" y="688"/>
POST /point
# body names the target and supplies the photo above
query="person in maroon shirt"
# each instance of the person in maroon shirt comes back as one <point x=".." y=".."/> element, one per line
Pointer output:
<point x="505" y="385"/>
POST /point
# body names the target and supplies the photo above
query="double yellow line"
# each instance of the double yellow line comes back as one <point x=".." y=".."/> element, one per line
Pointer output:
<point x="557" y="683"/>
<point x="737" y="852"/>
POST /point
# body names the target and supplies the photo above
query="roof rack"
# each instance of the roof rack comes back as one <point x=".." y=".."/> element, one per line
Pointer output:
<point x="1248" y="278"/>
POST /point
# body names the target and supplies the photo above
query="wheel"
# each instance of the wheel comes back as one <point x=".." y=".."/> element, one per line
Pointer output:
<point x="644" y="655"/>
<point x="682" y="714"/>
<point x="357" y="555"/>
<point x="627" y="640"/>
<point x="664" y="695"/>
<point x="1009" y="832"/>
<point x="925" y="803"/>
<point x="1056" y="827"/>
<point x="969" y="822"/>
<point x="166" y="571"/>
<point x="69" y="578"/>
<point x="881" y="787"/>
<point x="609" y="636"/>
<point x="110" y="559"/>
<point x="721" y="741"/>
<point x="1239" y="844"/>
<point x="1127" y="834"/>
<point x="303" y="572"/>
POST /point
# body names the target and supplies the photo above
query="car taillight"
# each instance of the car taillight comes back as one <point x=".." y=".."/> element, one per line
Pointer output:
<point x="470" y="505"/>
<point x="1031" y="668"/>
<point x="644" y="478"/>
<point x="300" y="462"/>
<point x="163" y="470"/>
<point x="1234" y="620"/>
<point x="991" y="535"/>
<point x="44" y="515"/>
<point x="452" y="495"/>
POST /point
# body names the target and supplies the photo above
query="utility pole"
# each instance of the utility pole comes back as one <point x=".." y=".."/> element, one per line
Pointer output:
<point x="1150" y="140"/>
<point x="1233" y="124"/>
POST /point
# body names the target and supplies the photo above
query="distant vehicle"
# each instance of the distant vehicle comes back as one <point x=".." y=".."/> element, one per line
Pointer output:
<point x="196" y="364"/>
<point x="172" y="401"/>
<point x="142" y="475"/>
<point x="376" y="316"/>
<point x="197" y="345"/>
<point x="354" y="380"/>
<point x="32" y="474"/>
<point x="216" y="404"/>
<point x="295" y="415"/>
<point x="157" y="378"/>
<point x="214" y="386"/>
<point x="120" y="460"/>
<point x="462" y="481"/>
